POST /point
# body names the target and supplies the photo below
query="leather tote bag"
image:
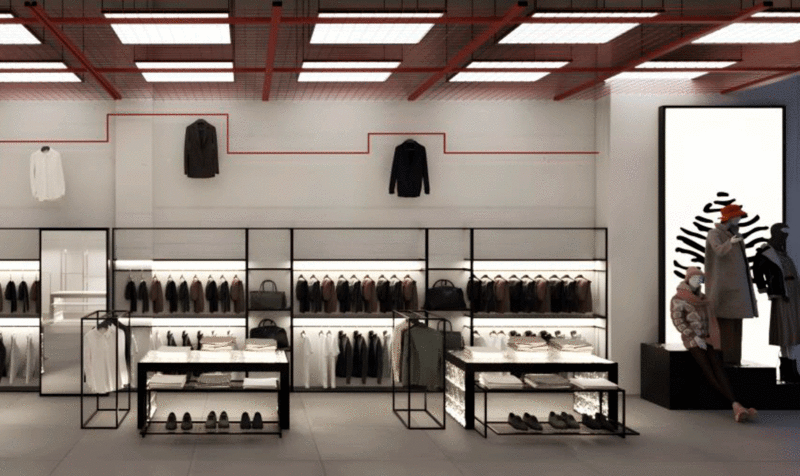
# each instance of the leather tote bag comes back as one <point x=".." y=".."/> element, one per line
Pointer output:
<point x="267" y="329"/>
<point x="444" y="296"/>
<point x="266" y="300"/>
<point x="452" y="340"/>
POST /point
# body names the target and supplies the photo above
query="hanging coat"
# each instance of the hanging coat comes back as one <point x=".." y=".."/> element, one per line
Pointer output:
<point x="11" y="295"/>
<point x="728" y="282"/>
<point x="224" y="293"/>
<point x="130" y="294"/>
<point x="144" y="296"/>
<point x="212" y="296"/>
<point x="197" y="296"/>
<point x="183" y="296"/>
<point x="171" y="295"/>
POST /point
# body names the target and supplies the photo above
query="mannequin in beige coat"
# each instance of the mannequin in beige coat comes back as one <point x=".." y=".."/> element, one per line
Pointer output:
<point x="729" y="284"/>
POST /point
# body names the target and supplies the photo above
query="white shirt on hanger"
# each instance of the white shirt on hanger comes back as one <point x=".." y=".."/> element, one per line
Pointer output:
<point x="13" y="365"/>
<point x="28" y="359"/>
<point x="305" y="360"/>
<point x="47" y="175"/>
<point x="100" y="359"/>
<point x="330" y="350"/>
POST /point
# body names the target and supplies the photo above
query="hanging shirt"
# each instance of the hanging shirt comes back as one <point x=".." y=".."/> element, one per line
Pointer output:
<point x="29" y="360"/>
<point x="387" y="351"/>
<point x="13" y="360"/>
<point x="330" y="351"/>
<point x="100" y="360"/>
<point x="305" y="361"/>
<point x="47" y="175"/>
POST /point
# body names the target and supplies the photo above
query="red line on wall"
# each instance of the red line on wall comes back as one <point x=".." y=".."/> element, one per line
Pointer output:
<point x="297" y="152"/>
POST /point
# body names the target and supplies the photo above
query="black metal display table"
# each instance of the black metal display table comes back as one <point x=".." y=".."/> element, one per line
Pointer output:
<point x="200" y="362"/>
<point x="461" y="370"/>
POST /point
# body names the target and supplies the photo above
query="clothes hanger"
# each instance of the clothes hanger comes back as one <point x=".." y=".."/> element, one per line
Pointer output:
<point x="498" y="276"/>
<point x="300" y="277"/>
<point x="182" y="278"/>
<point x="554" y="277"/>
<point x="45" y="148"/>
<point x="394" y="276"/>
<point x="353" y="277"/>
<point x="222" y="277"/>
<point x="210" y="278"/>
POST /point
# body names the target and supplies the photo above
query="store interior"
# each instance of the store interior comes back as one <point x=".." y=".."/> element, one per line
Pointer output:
<point x="299" y="234"/>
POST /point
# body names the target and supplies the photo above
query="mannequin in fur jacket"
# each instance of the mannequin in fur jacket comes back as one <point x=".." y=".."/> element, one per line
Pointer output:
<point x="692" y="314"/>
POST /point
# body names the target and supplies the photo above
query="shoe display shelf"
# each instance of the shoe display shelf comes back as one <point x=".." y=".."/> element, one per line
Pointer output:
<point x="154" y="426"/>
<point x="504" y="427"/>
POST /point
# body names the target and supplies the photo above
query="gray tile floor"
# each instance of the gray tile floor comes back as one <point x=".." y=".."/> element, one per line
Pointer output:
<point x="355" y="434"/>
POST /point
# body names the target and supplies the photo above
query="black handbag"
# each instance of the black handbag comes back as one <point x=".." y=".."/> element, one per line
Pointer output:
<point x="263" y="300"/>
<point x="444" y="296"/>
<point x="267" y="329"/>
<point x="452" y="340"/>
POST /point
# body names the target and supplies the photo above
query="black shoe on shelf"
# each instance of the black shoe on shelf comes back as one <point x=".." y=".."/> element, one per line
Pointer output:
<point x="532" y="422"/>
<point x="211" y="421"/>
<point x="186" y="423"/>
<point x="556" y="421"/>
<point x="591" y="422"/>
<point x="172" y="422"/>
<point x="258" y="422"/>
<point x="570" y="421"/>
<point x="245" y="423"/>
<point x="516" y="422"/>
<point x="604" y="423"/>
<point x="224" y="423"/>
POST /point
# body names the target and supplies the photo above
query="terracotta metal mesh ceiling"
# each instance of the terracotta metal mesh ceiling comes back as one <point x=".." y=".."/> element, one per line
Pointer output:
<point x="82" y="23"/>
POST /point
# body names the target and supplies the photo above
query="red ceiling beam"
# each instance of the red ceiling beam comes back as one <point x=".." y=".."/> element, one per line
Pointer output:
<point x="761" y="81"/>
<point x="470" y="48"/>
<point x="62" y="38"/>
<point x="272" y="46"/>
<point x="668" y="48"/>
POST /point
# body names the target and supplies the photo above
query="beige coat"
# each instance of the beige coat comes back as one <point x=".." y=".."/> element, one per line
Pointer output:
<point x="729" y="284"/>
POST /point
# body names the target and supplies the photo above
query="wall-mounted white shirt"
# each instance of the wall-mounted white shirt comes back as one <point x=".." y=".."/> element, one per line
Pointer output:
<point x="47" y="175"/>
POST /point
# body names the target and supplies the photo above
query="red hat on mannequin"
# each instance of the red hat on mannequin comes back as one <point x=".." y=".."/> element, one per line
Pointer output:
<point x="731" y="211"/>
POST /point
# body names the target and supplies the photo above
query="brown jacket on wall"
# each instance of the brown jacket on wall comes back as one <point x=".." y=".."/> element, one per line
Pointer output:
<point x="369" y="295"/>
<point x="197" y="295"/>
<point x="237" y="295"/>
<point x="329" y="295"/>
<point x="157" y="296"/>
<point x="501" y="295"/>
<point x="410" y="298"/>
<point x="583" y="289"/>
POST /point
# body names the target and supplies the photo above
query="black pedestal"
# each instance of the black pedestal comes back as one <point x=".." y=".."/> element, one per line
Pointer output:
<point x="672" y="379"/>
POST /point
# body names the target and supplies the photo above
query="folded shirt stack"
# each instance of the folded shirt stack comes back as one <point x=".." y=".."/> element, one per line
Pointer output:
<point x="593" y="383"/>
<point x="260" y="383"/>
<point x="218" y="343"/>
<point x="162" y="381"/>
<point x="572" y="345"/>
<point x="484" y="353"/>
<point x="527" y="344"/>
<point x="216" y="379"/>
<point x="261" y="345"/>
<point x="498" y="380"/>
<point x="547" y="381"/>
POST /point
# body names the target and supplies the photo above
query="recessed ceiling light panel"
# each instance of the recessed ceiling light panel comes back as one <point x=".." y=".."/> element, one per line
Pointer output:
<point x="686" y="64"/>
<point x="754" y="33"/>
<point x="506" y="77"/>
<point x="55" y="77"/>
<point x="572" y="33"/>
<point x="372" y="33"/>
<point x="11" y="34"/>
<point x="347" y="77"/>
<point x="659" y="76"/>
<point x="186" y="77"/>
<point x="171" y="33"/>
<point x="777" y="15"/>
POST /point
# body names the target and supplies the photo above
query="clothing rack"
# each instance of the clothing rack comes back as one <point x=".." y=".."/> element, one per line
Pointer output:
<point x="98" y="318"/>
<point x="404" y="414"/>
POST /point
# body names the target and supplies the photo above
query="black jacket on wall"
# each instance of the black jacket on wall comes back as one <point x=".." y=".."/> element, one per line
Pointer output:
<point x="130" y="294"/>
<point x="200" y="155"/>
<point x="171" y="295"/>
<point x="409" y="169"/>
<point x="144" y="296"/>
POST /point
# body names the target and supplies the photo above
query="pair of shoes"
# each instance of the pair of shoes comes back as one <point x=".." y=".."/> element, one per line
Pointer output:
<point x="570" y="421"/>
<point x="562" y="422"/>
<point x="172" y="422"/>
<point x="591" y="423"/>
<point x="605" y="423"/>
<point x="186" y="423"/>
<point x="516" y="422"/>
<point x="256" y="424"/>
<point x="532" y="422"/>
<point x="212" y="423"/>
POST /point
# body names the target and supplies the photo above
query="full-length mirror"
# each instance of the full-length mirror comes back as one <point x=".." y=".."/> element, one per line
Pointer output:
<point x="74" y="267"/>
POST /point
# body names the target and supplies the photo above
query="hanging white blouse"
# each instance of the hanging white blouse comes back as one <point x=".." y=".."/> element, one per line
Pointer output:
<point x="47" y="175"/>
<point x="100" y="360"/>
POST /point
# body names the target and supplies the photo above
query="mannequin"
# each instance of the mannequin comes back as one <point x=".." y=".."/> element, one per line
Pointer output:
<point x="692" y="315"/>
<point x="775" y="274"/>
<point x="729" y="284"/>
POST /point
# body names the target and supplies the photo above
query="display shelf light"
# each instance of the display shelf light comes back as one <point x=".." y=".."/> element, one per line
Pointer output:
<point x="299" y="322"/>
<point x="19" y="265"/>
<point x="377" y="33"/>
<point x="345" y="265"/>
<point x="151" y="265"/>
<point x="189" y="321"/>
<point x="27" y="77"/>
<point x="594" y="32"/>
<point x="754" y="33"/>
<point x="19" y="322"/>
<point x="187" y="77"/>
<point x="171" y="33"/>
<point x="480" y="266"/>
<point x="11" y="34"/>
<point x="558" y="322"/>
<point x="777" y="15"/>
<point x="345" y="77"/>
<point x="506" y="76"/>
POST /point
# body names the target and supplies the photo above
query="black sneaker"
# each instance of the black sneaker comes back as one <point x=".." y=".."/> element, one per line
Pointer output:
<point x="172" y="422"/>
<point x="245" y="423"/>
<point x="532" y="422"/>
<point x="516" y="422"/>
<point x="211" y="421"/>
<point x="570" y="420"/>
<point x="224" y="423"/>
<point x="186" y="424"/>
<point x="556" y="421"/>
<point x="258" y="423"/>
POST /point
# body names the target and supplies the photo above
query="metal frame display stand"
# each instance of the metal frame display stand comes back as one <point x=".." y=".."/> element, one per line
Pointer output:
<point x="404" y="414"/>
<point x="96" y="317"/>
